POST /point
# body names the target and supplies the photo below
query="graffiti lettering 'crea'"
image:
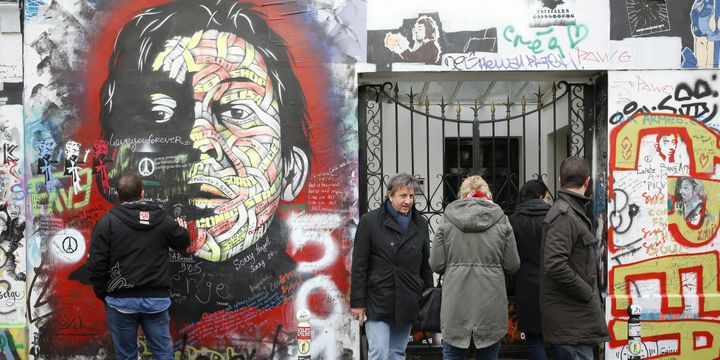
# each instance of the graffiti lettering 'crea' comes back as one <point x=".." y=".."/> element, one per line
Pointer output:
<point x="546" y="40"/>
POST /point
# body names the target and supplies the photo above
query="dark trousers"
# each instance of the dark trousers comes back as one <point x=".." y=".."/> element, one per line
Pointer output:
<point x="573" y="352"/>
<point x="455" y="353"/>
<point x="124" y="327"/>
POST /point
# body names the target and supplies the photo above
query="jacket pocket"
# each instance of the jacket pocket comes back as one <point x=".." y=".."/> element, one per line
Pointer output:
<point x="381" y="278"/>
<point x="584" y="258"/>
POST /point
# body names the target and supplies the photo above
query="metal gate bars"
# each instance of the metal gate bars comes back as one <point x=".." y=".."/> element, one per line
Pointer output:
<point x="401" y="133"/>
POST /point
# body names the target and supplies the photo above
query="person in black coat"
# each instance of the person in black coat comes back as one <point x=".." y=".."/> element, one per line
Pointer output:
<point x="527" y="223"/>
<point x="129" y="268"/>
<point x="390" y="270"/>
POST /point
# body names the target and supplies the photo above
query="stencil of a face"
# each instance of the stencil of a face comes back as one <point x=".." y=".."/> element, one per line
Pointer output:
<point x="236" y="129"/>
<point x="418" y="32"/>
<point x="667" y="145"/>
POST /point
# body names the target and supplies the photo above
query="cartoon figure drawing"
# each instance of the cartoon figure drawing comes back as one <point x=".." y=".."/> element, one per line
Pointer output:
<point x="101" y="163"/>
<point x="425" y="47"/>
<point x="72" y="151"/>
<point x="704" y="17"/>
<point x="45" y="164"/>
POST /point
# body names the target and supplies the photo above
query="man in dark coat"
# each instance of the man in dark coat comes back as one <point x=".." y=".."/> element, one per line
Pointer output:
<point x="390" y="270"/>
<point x="570" y="300"/>
<point x="129" y="267"/>
<point x="527" y="224"/>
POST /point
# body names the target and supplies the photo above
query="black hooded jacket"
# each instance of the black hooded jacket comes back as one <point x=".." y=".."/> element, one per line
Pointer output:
<point x="527" y="224"/>
<point x="129" y="255"/>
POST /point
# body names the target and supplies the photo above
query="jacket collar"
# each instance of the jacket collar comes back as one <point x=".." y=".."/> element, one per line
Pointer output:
<point x="577" y="202"/>
<point x="388" y="221"/>
<point x="533" y="207"/>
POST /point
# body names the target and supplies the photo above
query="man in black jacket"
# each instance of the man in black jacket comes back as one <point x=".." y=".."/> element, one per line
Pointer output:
<point x="390" y="270"/>
<point x="527" y="223"/>
<point x="129" y="269"/>
<point x="570" y="303"/>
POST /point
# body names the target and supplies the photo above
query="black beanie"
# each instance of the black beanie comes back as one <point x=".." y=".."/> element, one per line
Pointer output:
<point x="532" y="189"/>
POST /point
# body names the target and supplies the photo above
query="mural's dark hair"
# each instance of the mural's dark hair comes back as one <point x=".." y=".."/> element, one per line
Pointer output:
<point x="144" y="36"/>
<point x="431" y="28"/>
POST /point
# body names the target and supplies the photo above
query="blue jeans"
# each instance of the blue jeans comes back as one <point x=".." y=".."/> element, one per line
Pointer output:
<point x="455" y="353"/>
<point x="387" y="341"/>
<point x="573" y="352"/>
<point x="123" y="329"/>
<point x="536" y="346"/>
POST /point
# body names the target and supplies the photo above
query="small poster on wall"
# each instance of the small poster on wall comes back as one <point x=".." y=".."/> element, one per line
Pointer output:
<point x="547" y="13"/>
<point x="647" y="16"/>
<point x="422" y="40"/>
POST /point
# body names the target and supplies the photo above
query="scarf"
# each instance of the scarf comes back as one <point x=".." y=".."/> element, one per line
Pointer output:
<point x="479" y="194"/>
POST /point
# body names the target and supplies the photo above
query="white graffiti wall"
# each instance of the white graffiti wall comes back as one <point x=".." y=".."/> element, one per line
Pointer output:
<point x="663" y="205"/>
<point x="540" y="35"/>
<point x="12" y="218"/>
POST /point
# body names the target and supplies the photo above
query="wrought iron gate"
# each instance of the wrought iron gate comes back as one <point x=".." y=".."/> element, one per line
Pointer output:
<point x="400" y="133"/>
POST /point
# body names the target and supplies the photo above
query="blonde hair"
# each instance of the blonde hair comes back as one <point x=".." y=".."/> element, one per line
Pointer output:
<point x="472" y="184"/>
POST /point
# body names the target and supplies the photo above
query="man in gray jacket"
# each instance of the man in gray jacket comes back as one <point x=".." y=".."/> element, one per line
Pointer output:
<point x="570" y="306"/>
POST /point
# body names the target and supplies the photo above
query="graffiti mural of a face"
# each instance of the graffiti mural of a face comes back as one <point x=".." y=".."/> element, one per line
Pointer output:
<point x="418" y="31"/>
<point x="237" y="131"/>
<point x="219" y="90"/>
<point x="667" y="145"/>
<point x="690" y="199"/>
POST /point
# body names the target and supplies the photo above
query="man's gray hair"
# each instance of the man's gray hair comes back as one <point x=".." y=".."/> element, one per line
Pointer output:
<point x="402" y="180"/>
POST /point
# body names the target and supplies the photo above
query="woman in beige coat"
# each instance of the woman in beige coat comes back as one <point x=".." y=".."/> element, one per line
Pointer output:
<point x="474" y="248"/>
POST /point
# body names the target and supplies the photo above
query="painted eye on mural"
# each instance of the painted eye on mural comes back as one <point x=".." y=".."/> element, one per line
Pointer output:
<point x="163" y="108"/>
<point x="237" y="114"/>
